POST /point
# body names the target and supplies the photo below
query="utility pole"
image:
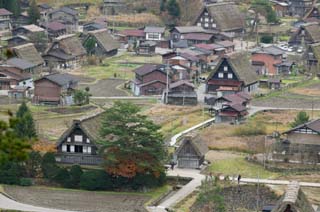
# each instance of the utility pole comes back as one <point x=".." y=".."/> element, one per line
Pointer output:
<point x="167" y="89"/>
<point x="258" y="192"/>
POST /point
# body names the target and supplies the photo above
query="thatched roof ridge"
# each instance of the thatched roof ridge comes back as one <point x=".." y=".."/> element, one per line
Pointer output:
<point x="29" y="53"/>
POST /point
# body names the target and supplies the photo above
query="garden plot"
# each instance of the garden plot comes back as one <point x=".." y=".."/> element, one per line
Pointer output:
<point x="77" y="200"/>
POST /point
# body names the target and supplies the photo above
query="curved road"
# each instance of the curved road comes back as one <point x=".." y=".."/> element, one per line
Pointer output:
<point x="7" y="203"/>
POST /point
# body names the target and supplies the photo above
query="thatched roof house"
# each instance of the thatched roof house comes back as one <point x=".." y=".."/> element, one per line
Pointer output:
<point x="191" y="152"/>
<point x="65" y="52"/>
<point x="225" y="17"/>
<point x="100" y="42"/>
<point x="29" y="53"/>
<point x="309" y="33"/>
<point x="79" y="143"/>
<point x="233" y="71"/>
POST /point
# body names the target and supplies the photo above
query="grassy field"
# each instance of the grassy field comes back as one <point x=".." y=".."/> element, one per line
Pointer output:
<point x="175" y="119"/>
<point x="235" y="164"/>
<point x="120" y="67"/>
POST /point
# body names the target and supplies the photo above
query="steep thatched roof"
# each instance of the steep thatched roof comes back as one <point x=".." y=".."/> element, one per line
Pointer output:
<point x="107" y="42"/>
<point x="196" y="142"/>
<point x="227" y="15"/>
<point x="294" y="199"/>
<point x="69" y="44"/>
<point x="241" y="66"/>
<point x="89" y="125"/>
<point x="29" y="53"/>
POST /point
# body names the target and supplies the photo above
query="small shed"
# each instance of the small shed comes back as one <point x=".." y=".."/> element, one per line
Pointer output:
<point x="191" y="152"/>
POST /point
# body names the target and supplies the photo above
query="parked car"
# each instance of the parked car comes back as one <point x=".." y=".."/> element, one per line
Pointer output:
<point x="299" y="50"/>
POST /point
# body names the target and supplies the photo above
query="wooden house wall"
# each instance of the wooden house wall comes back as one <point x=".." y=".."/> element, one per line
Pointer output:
<point x="304" y="138"/>
<point x="206" y="21"/>
<point x="46" y="89"/>
<point x="155" y="88"/>
<point x="188" y="158"/>
<point x="213" y="87"/>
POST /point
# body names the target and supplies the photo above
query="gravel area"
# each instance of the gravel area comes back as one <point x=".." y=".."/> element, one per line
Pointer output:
<point x="106" y="88"/>
<point x="77" y="200"/>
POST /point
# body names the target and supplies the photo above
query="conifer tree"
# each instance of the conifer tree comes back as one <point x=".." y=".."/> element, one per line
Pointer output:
<point x="33" y="12"/>
<point x="25" y="127"/>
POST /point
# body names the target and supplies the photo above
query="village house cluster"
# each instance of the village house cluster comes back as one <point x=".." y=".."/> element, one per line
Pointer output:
<point x="37" y="58"/>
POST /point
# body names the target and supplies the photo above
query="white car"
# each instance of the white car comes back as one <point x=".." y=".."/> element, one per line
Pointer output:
<point x="290" y="49"/>
<point x="299" y="50"/>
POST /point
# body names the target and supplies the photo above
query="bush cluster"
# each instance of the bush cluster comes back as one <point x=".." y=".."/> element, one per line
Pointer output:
<point x="251" y="129"/>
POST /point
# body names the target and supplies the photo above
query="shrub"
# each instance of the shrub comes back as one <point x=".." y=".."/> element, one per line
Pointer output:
<point x="266" y="39"/>
<point x="75" y="176"/>
<point x="10" y="173"/>
<point x="25" y="182"/>
<point x="250" y="129"/>
<point x="48" y="166"/>
<point x="95" y="180"/>
<point x="62" y="177"/>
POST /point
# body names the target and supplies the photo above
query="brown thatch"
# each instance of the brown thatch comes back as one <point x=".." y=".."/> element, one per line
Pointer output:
<point x="196" y="142"/>
<point x="240" y="63"/>
<point x="90" y="126"/>
<point x="294" y="199"/>
<point x="29" y="53"/>
<point x="69" y="44"/>
<point x="107" y="42"/>
<point x="227" y="16"/>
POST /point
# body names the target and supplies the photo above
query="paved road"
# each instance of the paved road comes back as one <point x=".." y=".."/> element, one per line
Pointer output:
<point x="184" y="191"/>
<point x="6" y="203"/>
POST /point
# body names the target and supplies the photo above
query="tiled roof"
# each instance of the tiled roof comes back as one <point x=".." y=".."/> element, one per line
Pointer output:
<point x="70" y="44"/>
<point x="148" y="29"/>
<point x="67" y="10"/>
<point x="5" y="12"/>
<point x="20" y="63"/>
<point x="181" y="82"/>
<point x="55" y="26"/>
<point x="312" y="125"/>
<point x="189" y="29"/>
<point x="148" y="68"/>
<point x="197" y="36"/>
<point x="61" y="79"/>
<point x="133" y="32"/>
<point x="33" y="28"/>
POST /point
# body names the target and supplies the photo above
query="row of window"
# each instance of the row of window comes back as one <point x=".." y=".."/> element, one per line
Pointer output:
<point x="221" y="75"/>
<point x="78" y="138"/>
<point x="207" y="25"/>
<point x="76" y="149"/>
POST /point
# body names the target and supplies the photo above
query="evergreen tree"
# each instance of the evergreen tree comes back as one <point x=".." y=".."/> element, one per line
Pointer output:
<point x="302" y="117"/>
<point x="264" y="7"/>
<point x="136" y="148"/>
<point x="33" y="12"/>
<point x="25" y="127"/>
<point x="14" y="7"/>
<point x="163" y="5"/>
<point x="12" y="148"/>
<point x="173" y="8"/>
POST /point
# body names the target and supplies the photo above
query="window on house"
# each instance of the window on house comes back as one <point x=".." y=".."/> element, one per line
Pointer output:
<point x="206" y="25"/>
<point x="72" y="148"/>
<point x="88" y="140"/>
<point x="214" y="25"/>
<point x="89" y="149"/>
<point x="69" y="139"/>
<point x="206" y="19"/>
<point x="85" y="149"/>
<point x="220" y="75"/>
<point x="230" y="76"/>
<point x="225" y="68"/>
<point x="78" y="149"/>
<point x="78" y="138"/>
<point x="64" y="148"/>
